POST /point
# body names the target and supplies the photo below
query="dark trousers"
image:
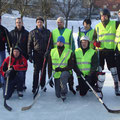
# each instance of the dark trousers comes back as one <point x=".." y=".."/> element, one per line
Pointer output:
<point x="38" y="65"/>
<point x="17" y="80"/>
<point x="61" y="84"/>
<point x="109" y="56"/>
<point x="83" y="87"/>
<point x="118" y="64"/>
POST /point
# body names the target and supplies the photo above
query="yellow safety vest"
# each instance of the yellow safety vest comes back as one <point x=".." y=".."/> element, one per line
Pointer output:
<point x="66" y="35"/>
<point x="107" y="35"/>
<point x="90" y="35"/>
<point x="117" y="39"/>
<point x="84" y="61"/>
<point x="56" y="59"/>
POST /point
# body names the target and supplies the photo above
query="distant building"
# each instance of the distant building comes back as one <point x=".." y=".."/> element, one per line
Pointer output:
<point x="112" y="5"/>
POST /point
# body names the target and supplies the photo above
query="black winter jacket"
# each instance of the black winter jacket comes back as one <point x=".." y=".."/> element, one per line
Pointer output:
<point x="38" y="41"/>
<point x="20" y="38"/>
<point x="3" y="37"/>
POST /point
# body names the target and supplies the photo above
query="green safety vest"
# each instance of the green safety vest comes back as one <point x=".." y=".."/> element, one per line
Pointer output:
<point x="107" y="35"/>
<point x="117" y="39"/>
<point x="90" y="35"/>
<point x="56" y="59"/>
<point x="84" y="61"/>
<point x="66" y="35"/>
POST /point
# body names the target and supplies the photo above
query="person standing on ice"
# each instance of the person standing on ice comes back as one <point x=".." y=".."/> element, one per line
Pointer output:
<point x="86" y="63"/>
<point x="3" y="43"/>
<point x="117" y="40"/>
<point x="15" y="74"/>
<point x="37" y="45"/>
<point x="69" y="43"/>
<point x="62" y="73"/>
<point x="104" y="41"/>
<point x="86" y="31"/>
<point x="19" y="37"/>
<point x="119" y="15"/>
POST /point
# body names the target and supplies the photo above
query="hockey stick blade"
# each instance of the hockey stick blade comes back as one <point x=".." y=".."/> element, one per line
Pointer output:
<point x="36" y="93"/>
<point x="6" y="106"/>
<point x="34" y="101"/>
<point x="111" y="111"/>
<point x="99" y="99"/>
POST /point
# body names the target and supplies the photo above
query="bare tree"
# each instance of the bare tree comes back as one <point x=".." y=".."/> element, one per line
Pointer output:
<point x="67" y="8"/>
<point x="90" y="4"/>
<point x="4" y="5"/>
<point x="22" y="6"/>
<point x="44" y="7"/>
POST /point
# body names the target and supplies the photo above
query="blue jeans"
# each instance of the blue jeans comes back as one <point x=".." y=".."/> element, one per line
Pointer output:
<point x="2" y="57"/>
<point x="18" y="81"/>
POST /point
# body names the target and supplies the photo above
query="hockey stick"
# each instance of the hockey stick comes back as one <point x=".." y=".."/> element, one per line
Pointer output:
<point x="100" y="100"/>
<point x="79" y="29"/>
<point x="6" y="87"/>
<point x="43" y="67"/>
<point x="37" y="96"/>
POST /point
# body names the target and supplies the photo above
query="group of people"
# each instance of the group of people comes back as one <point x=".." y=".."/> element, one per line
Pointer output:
<point x="57" y="49"/>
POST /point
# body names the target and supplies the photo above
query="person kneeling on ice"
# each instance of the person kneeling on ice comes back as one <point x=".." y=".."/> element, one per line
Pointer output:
<point x="60" y="62"/>
<point x="86" y="64"/>
<point x="15" y="74"/>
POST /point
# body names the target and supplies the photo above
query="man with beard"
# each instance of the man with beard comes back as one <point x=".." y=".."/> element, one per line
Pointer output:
<point x="104" y="41"/>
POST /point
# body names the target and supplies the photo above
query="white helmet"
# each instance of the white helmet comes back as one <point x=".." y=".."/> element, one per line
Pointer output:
<point x="84" y="38"/>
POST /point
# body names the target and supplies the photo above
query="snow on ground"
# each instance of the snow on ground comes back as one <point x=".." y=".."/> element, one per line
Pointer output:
<point x="48" y="107"/>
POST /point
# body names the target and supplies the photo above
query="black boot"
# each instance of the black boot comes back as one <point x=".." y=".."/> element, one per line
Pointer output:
<point x="117" y="92"/>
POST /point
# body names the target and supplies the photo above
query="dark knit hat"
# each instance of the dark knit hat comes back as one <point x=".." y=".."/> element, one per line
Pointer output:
<point x="61" y="39"/>
<point x="17" y="48"/>
<point x="40" y="18"/>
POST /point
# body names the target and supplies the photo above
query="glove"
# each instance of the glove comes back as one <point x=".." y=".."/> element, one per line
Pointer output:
<point x="31" y="59"/>
<point x="58" y="69"/>
<point x="80" y="73"/>
<point x="97" y="44"/>
<point x="8" y="72"/>
<point x="46" y="54"/>
<point x="51" y="83"/>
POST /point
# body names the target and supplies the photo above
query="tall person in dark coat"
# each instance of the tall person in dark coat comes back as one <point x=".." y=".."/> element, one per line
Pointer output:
<point x="37" y="45"/>
<point x="19" y="37"/>
<point x="3" y="43"/>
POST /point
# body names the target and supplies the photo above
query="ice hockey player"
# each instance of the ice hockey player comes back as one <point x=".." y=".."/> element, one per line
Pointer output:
<point x="69" y="43"/>
<point x="15" y="74"/>
<point x="87" y="62"/>
<point x="62" y="73"/>
<point x="104" y="37"/>
<point x="117" y="40"/>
